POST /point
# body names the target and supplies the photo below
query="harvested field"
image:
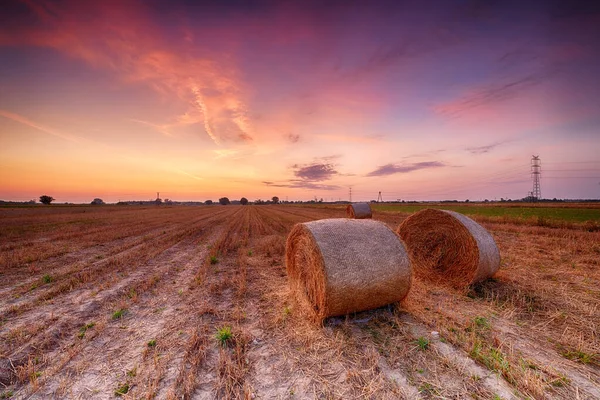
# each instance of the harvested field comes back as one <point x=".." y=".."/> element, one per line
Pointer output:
<point x="192" y="302"/>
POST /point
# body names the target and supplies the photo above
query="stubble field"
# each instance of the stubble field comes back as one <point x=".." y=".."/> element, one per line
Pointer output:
<point x="135" y="301"/>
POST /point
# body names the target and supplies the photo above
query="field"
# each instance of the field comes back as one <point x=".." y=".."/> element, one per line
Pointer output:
<point x="192" y="302"/>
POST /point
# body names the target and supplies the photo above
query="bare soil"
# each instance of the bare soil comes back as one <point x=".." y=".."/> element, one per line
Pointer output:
<point x="100" y="302"/>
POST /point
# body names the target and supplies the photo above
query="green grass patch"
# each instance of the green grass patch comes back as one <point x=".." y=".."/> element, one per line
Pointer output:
<point x="224" y="335"/>
<point x="84" y="329"/>
<point x="119" y="313"/>
<point x="539" y="215"/>
<point x="422" y="343"/>
<point x="122" y="389"/>
<point x="580" y="356"/>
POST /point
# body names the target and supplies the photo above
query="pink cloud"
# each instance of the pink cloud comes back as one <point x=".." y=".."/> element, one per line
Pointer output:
<point x="123" y="38"/>
<point x="39" y="127"/>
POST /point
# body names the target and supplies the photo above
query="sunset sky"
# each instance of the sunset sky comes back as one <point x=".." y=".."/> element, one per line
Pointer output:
<point x="426" y="100"/>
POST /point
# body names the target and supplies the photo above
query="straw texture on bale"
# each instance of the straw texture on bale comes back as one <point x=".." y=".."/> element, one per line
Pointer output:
<point x="359" y="211"/>
<point x="448" y="247"/>
<point x="345" y="265"/>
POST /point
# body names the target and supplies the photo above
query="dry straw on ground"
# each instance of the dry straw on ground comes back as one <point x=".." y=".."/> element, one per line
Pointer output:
<point x="344" y="265"/>
<point x="448" y="247"/>
<point x="359" y="211"/>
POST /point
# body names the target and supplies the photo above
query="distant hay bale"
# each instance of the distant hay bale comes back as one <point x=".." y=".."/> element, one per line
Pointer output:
<point x="344" y="265"/>
<point x="448" y="247"/>
<point x="359" y="211"/>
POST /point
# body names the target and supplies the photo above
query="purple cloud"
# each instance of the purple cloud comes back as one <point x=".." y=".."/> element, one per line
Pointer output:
<point x="390" y="169"/>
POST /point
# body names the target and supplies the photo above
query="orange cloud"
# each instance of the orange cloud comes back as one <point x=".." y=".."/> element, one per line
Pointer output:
<point x="122" y="38"/>
<point x="39" y="127"/>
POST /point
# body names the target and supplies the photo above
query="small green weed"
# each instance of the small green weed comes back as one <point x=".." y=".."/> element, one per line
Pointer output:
<point x="122" y="389"/>
<point x="422" y="343"/>
<point x="482" y="322"/>
<point x="580" y="356"/>
<point x="428" y="388"/>
<point x="214" y="260"/>
<point x="7" y="395"/>
<point x="132" y="372"/>
<point x="561" y="381"/>
<point x="223" y="335"/>
<point x="152" y="343"/>
<point x="84" y="329"/>
<point x="250" y="253"/>
<point x="47" y="278"/>
<point x="119" y="313"/>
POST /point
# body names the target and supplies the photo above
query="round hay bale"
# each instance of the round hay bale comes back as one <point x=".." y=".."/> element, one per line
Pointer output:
<point x="359" y="211"/>
<point x="344" y="265"/>
<point x="448" y="247"/>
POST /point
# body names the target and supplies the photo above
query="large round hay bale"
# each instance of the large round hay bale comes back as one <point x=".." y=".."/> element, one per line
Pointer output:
<point x="448" y="247"/>
<point x="344" y="265"/>
<point x="359" y="211"/>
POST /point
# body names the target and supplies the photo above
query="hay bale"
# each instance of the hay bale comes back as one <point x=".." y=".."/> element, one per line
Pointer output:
<point x="359" y="211"/>
<point x="448" y="247"/>
<point x="344" y="265"/>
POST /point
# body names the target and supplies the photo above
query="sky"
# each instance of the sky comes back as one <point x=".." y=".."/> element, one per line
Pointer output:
<point x="427" y="100"/>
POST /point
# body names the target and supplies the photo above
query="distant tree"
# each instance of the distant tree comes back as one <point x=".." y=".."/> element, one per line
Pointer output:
<point x="244" y="201"/>
<point x="97" y="202"/>
<point x="224" y="201"/>
<point x="275" y="199"/>
<point x="45" y="199"/>
<point x="208" y="202"/>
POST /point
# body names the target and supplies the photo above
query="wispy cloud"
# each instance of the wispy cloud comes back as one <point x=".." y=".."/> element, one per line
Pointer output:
<point x="488" y="95"/>
<point x="301" y="184"/>
<point x="312" y="175"/>
<point x="390" y="169"/>
<point x="294" y="138"/>
<point x="483" y="149"/>
<point x="39" y="127"/>
<point x="124" y="39"/>
<point x="315" y="172"/>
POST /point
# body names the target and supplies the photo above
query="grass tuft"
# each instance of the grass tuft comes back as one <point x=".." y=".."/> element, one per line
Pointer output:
<point x="84" y="329"/>
<point x="224" y="335"/>
<point x="580" y="356"/>
<point x="119" y="313"/>
<point x="422" y="343"/>
<point x="122" y="389"/>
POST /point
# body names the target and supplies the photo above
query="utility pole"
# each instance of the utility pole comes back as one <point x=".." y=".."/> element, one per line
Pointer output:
<point x="536" y="172"/>
<point x="350" y="194"/>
